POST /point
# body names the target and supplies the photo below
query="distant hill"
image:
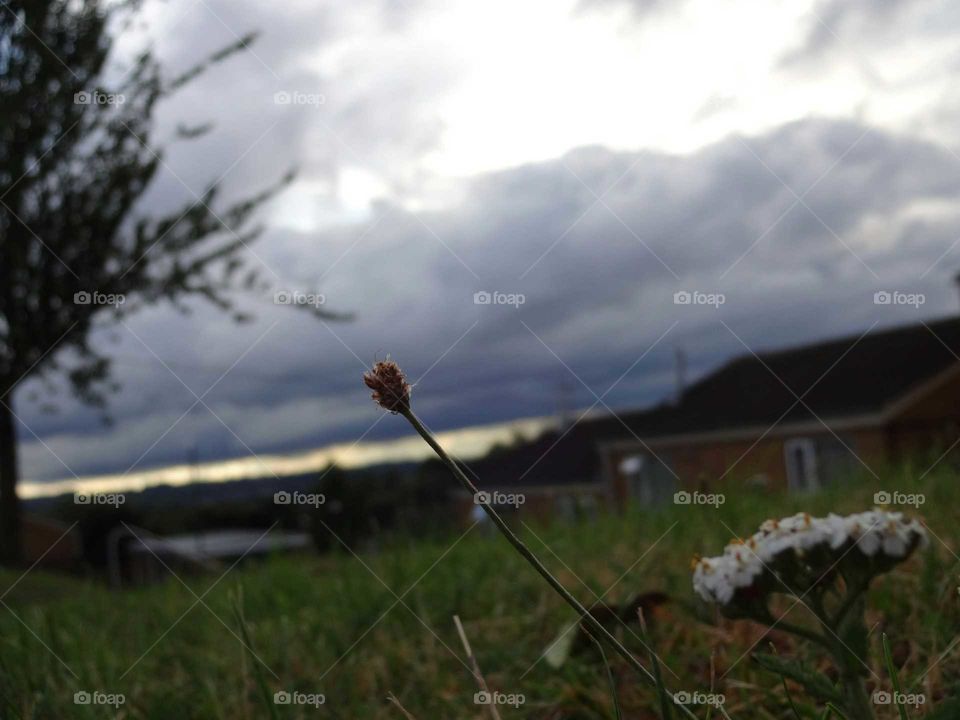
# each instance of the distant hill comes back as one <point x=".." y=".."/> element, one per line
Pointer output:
<point x="232" y="491"/>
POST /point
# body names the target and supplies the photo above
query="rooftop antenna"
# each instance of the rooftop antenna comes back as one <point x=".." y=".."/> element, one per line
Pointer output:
<point x="564" y="402"/>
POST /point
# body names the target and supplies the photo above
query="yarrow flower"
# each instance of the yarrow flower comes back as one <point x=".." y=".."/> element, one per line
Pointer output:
<point x="797" y="552"/>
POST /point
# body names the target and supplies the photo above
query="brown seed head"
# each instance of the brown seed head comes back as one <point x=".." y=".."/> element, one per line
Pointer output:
<point x="390" y="388"/>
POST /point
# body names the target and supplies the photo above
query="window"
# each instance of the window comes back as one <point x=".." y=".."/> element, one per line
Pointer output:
<point x="800" y="455"/>
<point x="651" y="481"/>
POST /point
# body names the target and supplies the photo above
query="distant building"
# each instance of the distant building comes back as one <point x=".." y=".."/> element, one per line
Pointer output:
<point x="557" y="475"/>
<point x="136" y="556"/>
<point x="794" y="419"/>
<point x="799" y="418"/>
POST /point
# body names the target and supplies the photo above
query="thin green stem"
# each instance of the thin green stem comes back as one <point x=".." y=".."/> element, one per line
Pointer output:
<point x="855" y="695"/>
<point x="856" y="700"/>
<point x="528" y="555"/>
<point x="853" y="594"/>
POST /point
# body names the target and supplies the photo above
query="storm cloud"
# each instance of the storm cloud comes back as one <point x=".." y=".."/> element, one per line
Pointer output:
<point x="795" y="228"/>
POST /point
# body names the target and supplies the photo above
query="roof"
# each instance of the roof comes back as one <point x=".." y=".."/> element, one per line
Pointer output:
<point x="851" y="376"/>
<point x="848" y="377"/>
<point x="554" y="457"/>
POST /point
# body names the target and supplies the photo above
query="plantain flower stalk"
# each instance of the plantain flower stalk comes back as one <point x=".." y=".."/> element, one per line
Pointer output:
<point x="392" y="392"/>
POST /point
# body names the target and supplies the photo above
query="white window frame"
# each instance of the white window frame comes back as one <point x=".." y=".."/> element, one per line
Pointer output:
<point x="808" y="450"/>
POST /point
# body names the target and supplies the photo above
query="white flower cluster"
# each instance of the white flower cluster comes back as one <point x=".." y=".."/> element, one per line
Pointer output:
<point x="717" y="579"/>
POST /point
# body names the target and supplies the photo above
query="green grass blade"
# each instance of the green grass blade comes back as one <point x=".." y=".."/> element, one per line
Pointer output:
<point x="786" y="690"/>
<point x="836" y="711"/>
<point x="606" y="664"/>
<point x="897" y="699"/>
<point x="666" y="700"/>
<point x="258" y="671"/>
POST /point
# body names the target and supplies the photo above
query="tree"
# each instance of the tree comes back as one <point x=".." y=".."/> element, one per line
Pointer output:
<point x="76" y="249"/>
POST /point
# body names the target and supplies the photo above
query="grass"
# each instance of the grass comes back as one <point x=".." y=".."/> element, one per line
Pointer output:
<point x="357" y="629"/>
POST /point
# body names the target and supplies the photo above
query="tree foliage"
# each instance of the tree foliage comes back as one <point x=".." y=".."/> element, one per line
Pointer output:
<point x="76" y="157"/>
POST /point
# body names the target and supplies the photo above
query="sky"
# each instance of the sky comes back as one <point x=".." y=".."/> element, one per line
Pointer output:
<point x="580" y="162"/>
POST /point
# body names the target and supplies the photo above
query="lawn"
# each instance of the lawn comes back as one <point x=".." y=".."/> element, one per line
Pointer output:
<point x="356" y="628"/>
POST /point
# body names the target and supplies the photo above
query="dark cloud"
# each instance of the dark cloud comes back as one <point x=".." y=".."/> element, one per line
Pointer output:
<point x="850" y="28"/>
<point x="598" y="277"/>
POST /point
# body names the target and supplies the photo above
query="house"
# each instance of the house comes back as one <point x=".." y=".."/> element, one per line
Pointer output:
<point x="558" y="474"/>
<point x="798" y="418"/>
